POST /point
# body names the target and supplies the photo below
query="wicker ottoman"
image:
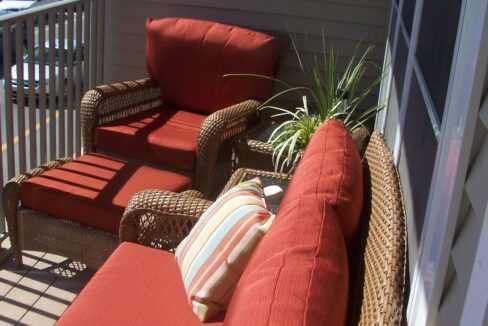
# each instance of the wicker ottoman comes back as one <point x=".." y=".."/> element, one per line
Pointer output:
<point x="74" y="207"/>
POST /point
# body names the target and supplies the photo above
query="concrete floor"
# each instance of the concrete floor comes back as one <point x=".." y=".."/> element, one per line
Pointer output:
<point x="38" y="293"/>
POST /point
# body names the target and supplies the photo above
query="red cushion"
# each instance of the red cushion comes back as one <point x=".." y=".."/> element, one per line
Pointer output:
<point x="136" y="286"/>
<point x="163" y="135"/>
<point x="331" y="168"/>
<point x="94" y="190"/>
<point x="298" y="274"/>
<point x="189" y="57"/>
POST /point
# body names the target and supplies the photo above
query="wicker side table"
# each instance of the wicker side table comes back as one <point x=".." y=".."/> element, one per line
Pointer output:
<point x="267" y="179"/>
<point x="251" y="150"/>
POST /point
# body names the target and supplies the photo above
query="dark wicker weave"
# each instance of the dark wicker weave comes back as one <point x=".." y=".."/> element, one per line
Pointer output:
<point x="29" y="229"/>
<point x="379" y="268"/>
<point x="160" y="219"/>
<point x="108" y="103"/>
<point x="378" y="282"/>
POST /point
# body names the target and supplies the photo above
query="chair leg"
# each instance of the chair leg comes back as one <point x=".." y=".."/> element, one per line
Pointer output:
<point x="19" y="263"/>
<point x="11" y="197"/>
<point x="13" y="233"/>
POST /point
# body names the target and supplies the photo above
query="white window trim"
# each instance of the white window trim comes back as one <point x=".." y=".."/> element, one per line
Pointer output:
<point x="409" y="72"/>
<point x="388" y="63"/>
<point x="475" y="306"/>
<point x="462" y="104"/>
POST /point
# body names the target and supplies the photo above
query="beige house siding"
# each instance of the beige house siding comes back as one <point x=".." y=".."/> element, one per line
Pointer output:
<point x="469" y="224"/>
<point x="345" y="24"/>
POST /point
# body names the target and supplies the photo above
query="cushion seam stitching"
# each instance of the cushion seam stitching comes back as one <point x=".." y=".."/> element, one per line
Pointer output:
<point x="314" y="263"/>
<point x="283" y="264"/>
<point x="339" y="190"/>
<point x="323" y="159"/>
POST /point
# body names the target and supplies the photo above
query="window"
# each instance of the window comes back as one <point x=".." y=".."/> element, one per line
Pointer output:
<point x="435" y="47"/>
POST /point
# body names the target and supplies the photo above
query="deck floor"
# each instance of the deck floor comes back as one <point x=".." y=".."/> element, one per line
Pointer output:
<point x="38" y="293"/>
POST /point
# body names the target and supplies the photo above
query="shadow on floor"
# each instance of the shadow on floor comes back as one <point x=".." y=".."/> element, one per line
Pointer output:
<point x="40" y="291"/>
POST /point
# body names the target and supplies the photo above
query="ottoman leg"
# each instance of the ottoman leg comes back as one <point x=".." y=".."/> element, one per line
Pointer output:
<point x="11" y="197"/>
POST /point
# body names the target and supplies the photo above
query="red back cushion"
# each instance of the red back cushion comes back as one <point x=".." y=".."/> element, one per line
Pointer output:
<point x="298" y="274"/>
<point x="331" y="168"/>
<point x="189" y="57"/>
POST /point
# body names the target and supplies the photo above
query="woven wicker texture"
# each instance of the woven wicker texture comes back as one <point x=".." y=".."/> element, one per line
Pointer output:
<point x="160" y="219"/>
<point x="267" y="179"/>
<point x="192" y="193"/>
<point x="247" y="174"/>
<point x="360" y="137"/>
<point x="107" y="103"/>
<point x="42" y="232"/>
<point x="216" y="128"/>
<point x="382" y="266"/>
<point x="11" y="202"/>
<point x="163" y="219"/>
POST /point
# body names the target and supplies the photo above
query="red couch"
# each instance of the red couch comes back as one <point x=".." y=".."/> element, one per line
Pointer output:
<point x="298" y="274"/>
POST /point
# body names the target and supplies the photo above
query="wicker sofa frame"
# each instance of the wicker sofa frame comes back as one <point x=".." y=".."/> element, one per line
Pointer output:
<point x="162" y="219"/>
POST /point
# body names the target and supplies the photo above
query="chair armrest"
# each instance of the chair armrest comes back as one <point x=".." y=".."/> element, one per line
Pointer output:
<point x="107" y="103"/>
<point x="192" y="193"/>
<point x="11" y="201"/>
<point x="11" y="190"/>
<point x="160" y="219"/>
<point x="216" y="128"/>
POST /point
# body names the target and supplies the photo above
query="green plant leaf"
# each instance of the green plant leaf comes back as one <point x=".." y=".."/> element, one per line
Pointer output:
<point x="332" y="95"/>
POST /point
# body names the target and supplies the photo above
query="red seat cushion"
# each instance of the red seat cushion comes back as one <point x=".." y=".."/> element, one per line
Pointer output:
<point x="163" y="135"/>
<point x="188" y="58"/>
<point x="94" y="189"/>
<point x="136" y="286"/>
<point x="331" y="168"/>
<point x="298" y="274"/>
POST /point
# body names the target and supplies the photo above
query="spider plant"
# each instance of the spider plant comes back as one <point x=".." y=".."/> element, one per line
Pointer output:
<point x="291" y="137"/>
<point x="333" y="95"/>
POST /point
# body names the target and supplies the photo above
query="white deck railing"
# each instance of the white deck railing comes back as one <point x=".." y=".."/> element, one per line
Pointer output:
<point x="52" y="55"/>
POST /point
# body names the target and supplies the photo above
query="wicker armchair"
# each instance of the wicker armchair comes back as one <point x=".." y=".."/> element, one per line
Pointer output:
<point x="162" y="220"/>
<point x="73" y="207"/>
<point x="108" y="103"/>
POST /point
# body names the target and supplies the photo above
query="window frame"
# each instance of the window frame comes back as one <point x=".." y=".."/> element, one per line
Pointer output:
<point x="463" y="100"/>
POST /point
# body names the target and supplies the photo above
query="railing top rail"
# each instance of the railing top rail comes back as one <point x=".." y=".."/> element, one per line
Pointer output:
<point x="36" y="11"/>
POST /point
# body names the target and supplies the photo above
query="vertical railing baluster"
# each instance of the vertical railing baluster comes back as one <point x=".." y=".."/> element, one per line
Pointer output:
<point x="32" y="94"/>
<point x="62" y="83"/>
<point x="93" y="25"/>
<point x="52" y="85"/>
<point x="87" y="43"/>
<point x="100" y="41"/>
<point x="45" y="122"/>
<point x="79" y="58"/>
<point x="19" y="61"/>
<point x="41" y="29"/>
<point x="70" y="84"/>
<point x="9" y="107"/>
<point x="3" y="107"/>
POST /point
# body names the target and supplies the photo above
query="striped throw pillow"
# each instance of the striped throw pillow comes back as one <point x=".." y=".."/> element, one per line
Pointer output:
<point x="213" y="256"/>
